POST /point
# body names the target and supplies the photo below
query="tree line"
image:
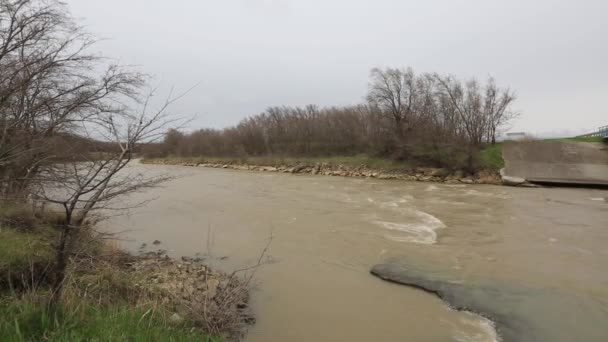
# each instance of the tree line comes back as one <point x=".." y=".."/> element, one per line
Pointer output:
<point x="435" y="119"/>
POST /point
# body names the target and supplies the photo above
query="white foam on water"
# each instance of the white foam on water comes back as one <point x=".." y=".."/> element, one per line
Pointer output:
<point x="598" y="199"/>
<point x="405" y="199"/>
<point x="423" y="230"/>
<point x="486" y="329"/>
<point x="389" y="205"/>
<point x="431" y="188"/>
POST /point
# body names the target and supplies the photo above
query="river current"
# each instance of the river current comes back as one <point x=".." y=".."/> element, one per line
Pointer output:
<point x="327" y="232"/>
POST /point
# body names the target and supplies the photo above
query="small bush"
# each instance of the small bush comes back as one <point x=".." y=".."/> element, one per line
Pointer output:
<point x="490" y="158"/>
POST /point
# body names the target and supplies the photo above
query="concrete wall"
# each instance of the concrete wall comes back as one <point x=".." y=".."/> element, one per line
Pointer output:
<point x="557" y="162"/>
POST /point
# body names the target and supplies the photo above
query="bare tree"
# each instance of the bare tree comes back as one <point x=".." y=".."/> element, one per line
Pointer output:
<point x="51" y="87"/>
<point x="48" y="84"/>
<point x="394" y="92"/>
<point x="481" y="113"/>
<point x="83" y="188"/>
<point x="497" y="108"/>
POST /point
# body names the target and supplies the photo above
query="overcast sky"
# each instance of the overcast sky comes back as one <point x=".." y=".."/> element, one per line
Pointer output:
<point x="247" y="55"/>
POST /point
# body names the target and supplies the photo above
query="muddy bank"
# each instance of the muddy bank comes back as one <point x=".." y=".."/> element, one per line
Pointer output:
<point x="520" y="314"/>
<point x="420" y="174"/>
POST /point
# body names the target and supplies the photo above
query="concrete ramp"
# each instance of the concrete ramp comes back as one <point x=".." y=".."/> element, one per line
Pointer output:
<point x="557" y="162"/>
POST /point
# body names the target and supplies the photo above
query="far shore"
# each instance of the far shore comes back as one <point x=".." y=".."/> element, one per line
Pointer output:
<point x="329" y="168"/>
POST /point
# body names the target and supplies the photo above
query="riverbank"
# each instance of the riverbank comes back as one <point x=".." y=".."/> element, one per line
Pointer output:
<point x="111" y="294"/>
<point x="341" y="167"/>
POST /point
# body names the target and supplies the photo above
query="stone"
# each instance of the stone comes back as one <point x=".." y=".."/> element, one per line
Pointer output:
<point x="432" y="172"/>
<point x="458" y="174"/>
<point x="176" y="319"/>
<point x="212" y="285"/>
<point x="510" y="180"/>
<point x="299" y="168"/>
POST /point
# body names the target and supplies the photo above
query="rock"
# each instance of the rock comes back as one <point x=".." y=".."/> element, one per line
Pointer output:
<point x="212" y="285"/>
<point x="433" y="172"/>
<point x="176" y="319"/>
<point x="520" y="313"/>
<point x="466" y="180"/>
<point x="510" y="180"/>
<point x="225" y="166"/>
<point x="299" y="168"/>
<point x="156" y="242"/>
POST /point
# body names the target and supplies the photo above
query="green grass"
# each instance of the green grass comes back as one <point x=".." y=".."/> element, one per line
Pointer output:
<point x="490" y="157"/>
<point x="29" y="319"/>
<point x="20" y="249"/>
<point x="98" y="306"/>
<point x="26" y="252"/>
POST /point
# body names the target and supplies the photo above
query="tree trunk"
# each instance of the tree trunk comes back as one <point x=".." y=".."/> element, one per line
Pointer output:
<point x="471" y="158"/>
<point x="61" y="263"/>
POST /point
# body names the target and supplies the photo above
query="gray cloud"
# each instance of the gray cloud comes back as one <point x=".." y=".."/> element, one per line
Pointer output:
<point x="248" y="55"/>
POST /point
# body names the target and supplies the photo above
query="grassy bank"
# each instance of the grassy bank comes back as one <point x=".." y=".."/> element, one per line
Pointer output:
<point x="110" y="295"/>
<point x="489" y="158"/>
<point x="27" y="317"/>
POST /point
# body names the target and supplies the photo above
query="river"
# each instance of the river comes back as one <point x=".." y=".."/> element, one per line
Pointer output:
<point x="327" y="232"/>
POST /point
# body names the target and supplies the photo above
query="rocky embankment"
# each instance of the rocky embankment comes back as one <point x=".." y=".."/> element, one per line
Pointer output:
<point x="215" y="301"/>
<point x="421" y="174"/>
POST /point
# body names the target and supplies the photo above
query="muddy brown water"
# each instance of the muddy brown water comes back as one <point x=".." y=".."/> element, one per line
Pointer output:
<point x="327" y="232"/>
